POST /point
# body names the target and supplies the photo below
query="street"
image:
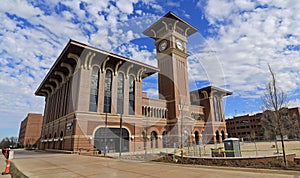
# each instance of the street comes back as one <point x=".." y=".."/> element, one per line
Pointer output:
<point x="44" y="165"/>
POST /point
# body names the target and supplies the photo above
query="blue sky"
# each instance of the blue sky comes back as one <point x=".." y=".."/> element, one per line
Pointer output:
<point x="235" y="42"/>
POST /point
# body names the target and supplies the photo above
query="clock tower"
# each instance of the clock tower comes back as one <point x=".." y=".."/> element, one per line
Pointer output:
<point x="170" y="34"/>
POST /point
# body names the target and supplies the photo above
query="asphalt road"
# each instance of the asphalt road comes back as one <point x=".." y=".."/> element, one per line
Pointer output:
<point x="49" y="165"/>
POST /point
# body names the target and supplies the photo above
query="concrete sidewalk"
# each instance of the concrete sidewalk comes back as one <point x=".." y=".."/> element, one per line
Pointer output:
<point x="49" y="165"/>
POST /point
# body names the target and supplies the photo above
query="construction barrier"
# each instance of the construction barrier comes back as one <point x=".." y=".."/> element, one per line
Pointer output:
<point x="7" y="168"/>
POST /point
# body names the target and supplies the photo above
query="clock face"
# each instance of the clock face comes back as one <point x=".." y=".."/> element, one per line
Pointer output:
<point x="163" y="45"/>
<point x="179" y="44"/>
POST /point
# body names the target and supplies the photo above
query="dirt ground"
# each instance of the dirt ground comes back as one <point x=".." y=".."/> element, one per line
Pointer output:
<point x="252" y="149"/>
<point x="256" y="152"/>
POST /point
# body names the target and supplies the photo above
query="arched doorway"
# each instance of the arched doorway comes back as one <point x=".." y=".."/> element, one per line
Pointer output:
<point x="54" y="141"/>
<point x="154" y="140"/>
<point x="50" y="137"/>
<point x="45" y="142"/>
<point x="217" y="136"/>
<point x="223" y="135"/>
<point x="165" y="139"/>
<point x="197" y="137"/>
<point x="61" y="140"/>
<point x="111" y="138"/>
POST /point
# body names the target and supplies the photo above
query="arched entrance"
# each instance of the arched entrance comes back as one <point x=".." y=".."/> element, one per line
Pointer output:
<point x="54" y="141"/>
<point x="110" y="137"/>
<point x="45" y="143"/>
<point x="223" y="135"/>
<point x="50" y="137"/>
<point x="197" y="137"/>
<point x="154" y="140"/>
<point x="217" y="136"/>
<point x="61" y="140"/>
<point x="165" y="139"/>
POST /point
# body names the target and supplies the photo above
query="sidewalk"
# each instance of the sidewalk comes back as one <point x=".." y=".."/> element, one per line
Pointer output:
<point x="49" y="165"/>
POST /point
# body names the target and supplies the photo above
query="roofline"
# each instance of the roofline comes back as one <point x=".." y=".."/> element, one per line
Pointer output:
<point x="165" y="16"/>
<point x="184" y="21"/>
<point x="73" y="42"/>
<point x="214" y="88"/>
<point x="53" y="67"/>
<point x="113" y="54"/>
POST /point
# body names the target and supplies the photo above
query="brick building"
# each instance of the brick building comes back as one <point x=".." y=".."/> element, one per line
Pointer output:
<point x="91" y="93"/>
<point x="246" y="127"/>
<point x="249" y="126"/>
<point x="30" y="130"/>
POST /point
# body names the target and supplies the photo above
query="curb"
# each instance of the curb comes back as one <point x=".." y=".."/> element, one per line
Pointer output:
<point x="15" y="172"/>
<point x="241" y="169"/>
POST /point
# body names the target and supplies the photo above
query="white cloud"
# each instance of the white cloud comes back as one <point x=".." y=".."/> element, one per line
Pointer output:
<point x="126" y="6"/>
<point x="152" y="93"/>
<point x="248" y="36"/>
<point x="32" y="34"/>
<point x="294" y="103"/>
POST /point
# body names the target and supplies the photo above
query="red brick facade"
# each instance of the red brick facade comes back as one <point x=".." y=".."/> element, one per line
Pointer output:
<point x="249" y="126"/>
<point x="30" y="130"/>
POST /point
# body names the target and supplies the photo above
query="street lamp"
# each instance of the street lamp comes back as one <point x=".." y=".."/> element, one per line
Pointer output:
<point x="105" y="129"/>
<point x="181" y="108"/>
<point x="121" y="136"/>
<point x="146" y="137"/>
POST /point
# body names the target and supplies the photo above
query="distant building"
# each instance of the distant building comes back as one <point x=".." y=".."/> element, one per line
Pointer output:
<point x="246" y="127"/>
<point x="88" y="90"/>
<point x="30" y="130"/>
<point x="249" y="127"/>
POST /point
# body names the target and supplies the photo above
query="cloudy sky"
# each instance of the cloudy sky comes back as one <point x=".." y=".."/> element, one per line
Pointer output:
<point x="235" y="43"/>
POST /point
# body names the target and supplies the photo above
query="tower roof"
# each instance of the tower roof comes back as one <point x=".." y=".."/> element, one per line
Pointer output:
<point x="169" y="21"/>
<point x="210" y="89"/>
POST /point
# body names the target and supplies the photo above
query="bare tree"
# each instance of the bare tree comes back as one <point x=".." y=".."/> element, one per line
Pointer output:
<point x="275" y="120"/>
<point x="8" y="142"/>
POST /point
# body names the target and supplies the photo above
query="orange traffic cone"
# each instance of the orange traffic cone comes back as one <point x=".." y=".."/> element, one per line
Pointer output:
<point x="7" y="167"/>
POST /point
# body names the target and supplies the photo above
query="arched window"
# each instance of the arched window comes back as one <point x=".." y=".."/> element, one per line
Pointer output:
<point x="131" y="95"/>
<point x="120" y="93"/>
<point x="107" y="91"/>
<point x="94" y="89"/>
<point x="217" y="109"/>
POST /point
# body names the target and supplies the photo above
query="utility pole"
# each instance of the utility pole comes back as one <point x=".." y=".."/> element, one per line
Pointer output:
<point x="133" y="137"/>
<point x="181" y="128"/>
<point x="121" y="137"/>
<point x="181" y="108"/>
<point x="146" y="135"/>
